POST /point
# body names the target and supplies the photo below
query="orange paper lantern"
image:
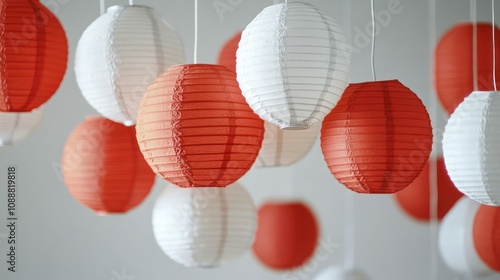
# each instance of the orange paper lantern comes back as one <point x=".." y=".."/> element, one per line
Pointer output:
<point x="287" y="235"/>
<point x="415" y="199"/>
<point x="454" y="69"/>
<point x="378" y="138"/>
<point x="227" y="55"/>
<point x="486" y="235"/>
<point x="34" y="53"/>
<point x="195" y="129"/>
<point x="103" y="167"/>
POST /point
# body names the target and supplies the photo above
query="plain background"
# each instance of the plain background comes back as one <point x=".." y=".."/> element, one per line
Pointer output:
<point x="58" y="239"/>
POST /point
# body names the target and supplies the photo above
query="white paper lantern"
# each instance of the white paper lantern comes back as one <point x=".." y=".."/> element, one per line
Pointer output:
<point x="340" y="273"/>
<point x="15" y="127"/>
<point x="120" y="54"/>
<point x="456" y="243"/>
<point x="204" y="227"/>
<point x="292" y="64"/>
<point x="285" y="147"/>
<point x="471" y="147"/>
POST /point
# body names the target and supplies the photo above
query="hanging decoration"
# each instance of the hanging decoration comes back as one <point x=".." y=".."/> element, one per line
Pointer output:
<point x="103" y="167"/>
<point x="195" y="129"/>
<point x="15" y="127"/>
<point x="287" y="235"/>
<point x="227" y="55"/>
<point x="293" y="64"/>
<point x="34" y="55"/>
<point x="120" y="54"/>
<point x="340" y="273"/>
<point x="378" y="138"/>
<point x="454" y="63"/>
<point x="204" y="227"/>
<point x="415" y="199"/>
<point x="485" y="234"/>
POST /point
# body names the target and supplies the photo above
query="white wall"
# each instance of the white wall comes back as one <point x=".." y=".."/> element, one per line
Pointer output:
<point x="59" y="240"/>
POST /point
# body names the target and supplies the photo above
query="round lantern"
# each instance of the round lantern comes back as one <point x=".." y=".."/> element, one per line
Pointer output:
<point x="471" y="147"/>
<point x="204" y="227"/>
<point x="120" y="54"/>
<point x="485" y="234"/>
<point x="103" y="167"/>
<point x="293" y="64"/>
<point x="340" y="273"/>
<point x="34" y="55"/>
<point x="456" y="243"/>
<point x="378" y="138"/>
<point x="15" y="127"/>
<point x="454" y="69"/>
<point x="287" y="235"/>
<point x="195" y="129"/>
<point x="415" y="199"/>
<point x="227" y="55"/>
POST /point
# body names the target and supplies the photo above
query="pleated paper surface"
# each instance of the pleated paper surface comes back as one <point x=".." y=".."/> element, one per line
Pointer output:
<point x="486" y="238"/>
<point x="15" y="127"/>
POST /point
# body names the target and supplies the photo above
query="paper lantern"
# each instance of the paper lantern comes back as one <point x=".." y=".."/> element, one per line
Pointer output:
<point x="15" y="127"/>
<point x="195" y="129"/>
<point x="485" y="234"/>
<point x="292" y="64"/>
<point x="204" y="227"/>
<point x="454" y="67"/>
<point x="415" y="200"/>
<point x="103" y="167"/>
<point x="34" y="55"/>
<point x="227" y="55"/>
<point x="340" y="273"/>
<point x="120" y="54"/>
<point x="455" y="241"/>
<point x="471" y="147"/>
<point x="378" y="138"/>
<point x="287" y="235"/>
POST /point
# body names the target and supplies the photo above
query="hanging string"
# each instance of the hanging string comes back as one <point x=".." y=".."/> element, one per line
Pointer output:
<point x="493" y="27"/>
<point x="473" y="18"/>
<point x="195" y="31"/>
<point x="373" y="40"/>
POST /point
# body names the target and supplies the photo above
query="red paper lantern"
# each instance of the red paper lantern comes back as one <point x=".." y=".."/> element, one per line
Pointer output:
<point x="378" y="138"/>
<point x="103" y="167"/>
<point x="415" y="199"/>
<point x="34" y="53"/>
<point x="195" y="128"/>
<point x="287" y="235"/>
<point x="454" y="63"/>
<point x="227" y="55"/>
<point x="486" y="235"/>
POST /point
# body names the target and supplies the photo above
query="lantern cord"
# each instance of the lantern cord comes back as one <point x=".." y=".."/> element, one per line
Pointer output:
<point x="493" y="27"/>
<point x="473" y="14"/>
<point x="349" y="232"/>
<point x="195" y="31"/>
<point x="373" y="40"/>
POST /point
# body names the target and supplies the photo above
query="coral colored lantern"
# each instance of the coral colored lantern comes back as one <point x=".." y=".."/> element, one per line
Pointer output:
<point x="15" y="127"/>
<point x="415" y="199"/>
<point x="103" y="168"/>
<point x="454" y="69"/>
<point x="227" y="55"/>
<point x="120" y="54"/>
<point x="195" y="129"/>
<point x="378" y="138"/>
<point x="287" y="235"/>
<point x="292" y="64"/>
<point x="485" y="234"/>
<point x="34" y="55"/>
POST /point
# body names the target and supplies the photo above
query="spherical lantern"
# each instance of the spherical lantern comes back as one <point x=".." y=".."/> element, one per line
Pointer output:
<point x="378" y="138"/>
<point x="204" y="227"/>
<point x="34" y="55"/>
<point x="195" y="129"/>
<point x="454" y="68"/>
<point x="471" y="147"/>
<point x="340" y="273"/>
<point x="485" y="234"/>
<point x="456" y="244"/>
<point x="103" y="167"/>
<point x="15" y="127"/>
<point x="292" y="64"/>
<point x="227" y="55"/>
<point x="287" y="235"/>
<point x="120" y="54"/>
<point x="415" y="200"/>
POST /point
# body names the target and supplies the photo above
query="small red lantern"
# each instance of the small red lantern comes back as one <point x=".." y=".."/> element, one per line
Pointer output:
<point x="227" y="55"/>
<point x="415" y="199"/>
<point x="195" y="128"/>
<point x="454" y="67"/>
<point x="34" y="54"/>
<point x="287" y="235"/>
<point x="486" y="235"/>
<point x="103" y="167"/>
<point x="378" y="138"/>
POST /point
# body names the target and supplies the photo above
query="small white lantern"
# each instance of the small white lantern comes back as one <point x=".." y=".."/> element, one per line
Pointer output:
<point x="204" y="227"/>
<point x="340" y="273"/>
<point x="15" y="127"/>
<point x="293" y="64"/>
<point x="120" y="54"/>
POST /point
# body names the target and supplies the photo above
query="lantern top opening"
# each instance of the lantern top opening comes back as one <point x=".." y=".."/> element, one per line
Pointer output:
<point x="119" y="7"/>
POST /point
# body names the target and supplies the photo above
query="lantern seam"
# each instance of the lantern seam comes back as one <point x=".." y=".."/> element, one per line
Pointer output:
<point x="5" y="96"/>
<point x="389" y="141"/>
<point x="134" y="169"/>
<point x="484" y="144"/>
<point x="283" y="62"/>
